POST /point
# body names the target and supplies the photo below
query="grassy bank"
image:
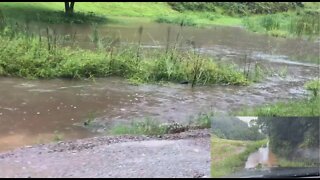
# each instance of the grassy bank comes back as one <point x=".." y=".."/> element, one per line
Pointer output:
<point x="105" y="12"/>
<point x="229" y="156"/>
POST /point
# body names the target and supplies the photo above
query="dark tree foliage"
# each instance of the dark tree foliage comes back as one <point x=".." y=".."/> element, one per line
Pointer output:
<point x="286" y="134"/>
<point x="236" y="8"/>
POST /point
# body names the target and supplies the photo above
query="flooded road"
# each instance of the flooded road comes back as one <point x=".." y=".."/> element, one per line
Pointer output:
<point x="36" y="111"/>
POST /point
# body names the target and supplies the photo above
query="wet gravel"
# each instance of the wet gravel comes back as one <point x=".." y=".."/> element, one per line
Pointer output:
<point x="185" y="154"/>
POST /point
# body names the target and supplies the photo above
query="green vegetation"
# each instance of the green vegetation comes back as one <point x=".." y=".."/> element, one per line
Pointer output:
<point x="314" y="87"/>
<point x="229" y="156"/>
<point x="57" y="136"/>
<point x="185" y="20"/>
<point x="150" y="126"/>
<point x="23" y="54"/>
<point x="304" y="107"/>
<point x="233" y="128"/>
<point x="235" y="8"/>
<point x="282" y="162"/>
<point x="291" y="24"/>
<point x="145" y="127"/>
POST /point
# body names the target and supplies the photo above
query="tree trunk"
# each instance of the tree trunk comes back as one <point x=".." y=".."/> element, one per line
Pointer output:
<point x="69" y="8"/>
<point x="66" y="7"/>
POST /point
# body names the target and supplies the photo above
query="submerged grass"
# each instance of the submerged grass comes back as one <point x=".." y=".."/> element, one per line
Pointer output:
<point x="229" y="156"/>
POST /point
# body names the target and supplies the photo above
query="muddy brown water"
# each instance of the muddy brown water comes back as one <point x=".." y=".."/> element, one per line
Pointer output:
<point x="37" y="111"/>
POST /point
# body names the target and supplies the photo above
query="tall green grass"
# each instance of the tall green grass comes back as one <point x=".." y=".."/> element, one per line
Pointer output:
<point x="25" y="54"/>
<point x="299" y="24"/>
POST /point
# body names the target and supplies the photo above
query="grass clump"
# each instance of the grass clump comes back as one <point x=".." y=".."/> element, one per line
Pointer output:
<point x="57" y="136"/>
<point x="314" y="87"/>
<point x="145" y="127"/>
<point x="150" y="126"/>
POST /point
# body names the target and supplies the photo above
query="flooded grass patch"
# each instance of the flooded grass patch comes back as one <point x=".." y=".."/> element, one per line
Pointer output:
<point x="229" y="156"/>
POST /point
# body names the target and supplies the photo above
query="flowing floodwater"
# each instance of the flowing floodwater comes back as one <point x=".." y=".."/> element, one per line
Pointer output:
<point x="36" y="111"/>
<point x="263" y="157"/>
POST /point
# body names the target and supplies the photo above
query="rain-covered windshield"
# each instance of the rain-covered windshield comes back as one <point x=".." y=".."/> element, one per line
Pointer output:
<point x="265" y="146"/>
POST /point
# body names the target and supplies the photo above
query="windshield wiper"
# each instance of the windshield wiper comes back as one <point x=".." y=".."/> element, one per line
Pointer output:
<point x="293" y="172"/>
<point x="279" y="172"/>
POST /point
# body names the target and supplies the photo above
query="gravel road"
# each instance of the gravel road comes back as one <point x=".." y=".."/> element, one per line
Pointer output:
<point x="185" y="154"/>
